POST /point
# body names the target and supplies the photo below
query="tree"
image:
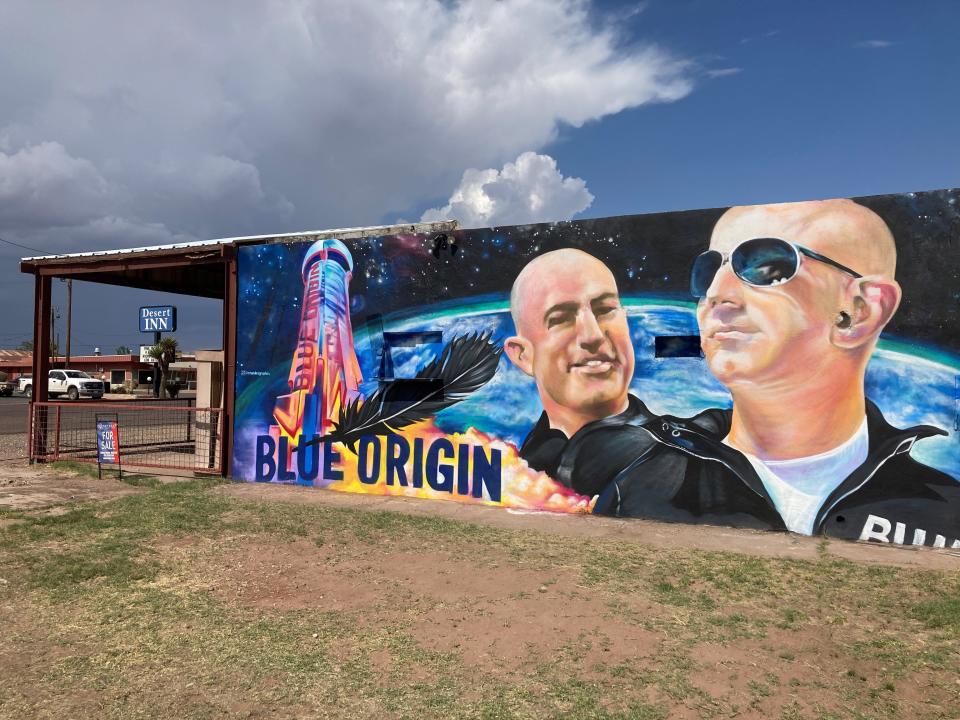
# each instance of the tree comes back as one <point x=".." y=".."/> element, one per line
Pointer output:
<point x="164" y="352"/>
<point x="124" y="350"/>
<point x="27" y="346"/>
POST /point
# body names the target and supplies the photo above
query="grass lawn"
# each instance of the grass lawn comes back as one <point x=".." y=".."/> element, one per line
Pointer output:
<point x="182" y="602"/>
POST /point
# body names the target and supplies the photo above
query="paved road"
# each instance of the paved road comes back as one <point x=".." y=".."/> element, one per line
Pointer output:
<point x="78" y="418"/>
<point x="13" y="415"/>
<point x="13" y="412"/>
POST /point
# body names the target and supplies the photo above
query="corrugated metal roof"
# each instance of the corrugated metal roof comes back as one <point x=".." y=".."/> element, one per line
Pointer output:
<point x="15" y="354"/>
<point x="129" y="251"/>
<point x="341" y="233"/>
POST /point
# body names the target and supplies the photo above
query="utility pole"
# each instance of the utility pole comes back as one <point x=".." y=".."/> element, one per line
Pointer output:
<point x="156" y="369"/>
<point x="69" y="317"/>
<point x="54" y="341"/>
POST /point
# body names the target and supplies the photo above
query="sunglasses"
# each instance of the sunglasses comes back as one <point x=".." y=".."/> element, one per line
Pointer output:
<point x="760" y="262"/>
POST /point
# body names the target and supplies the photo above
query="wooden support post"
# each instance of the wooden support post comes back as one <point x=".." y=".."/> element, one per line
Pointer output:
<point x="229" y="358"/>
<point x="41" y="363"/>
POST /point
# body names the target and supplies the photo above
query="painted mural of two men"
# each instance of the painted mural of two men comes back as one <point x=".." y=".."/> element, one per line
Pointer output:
<point x="792" y="299"/>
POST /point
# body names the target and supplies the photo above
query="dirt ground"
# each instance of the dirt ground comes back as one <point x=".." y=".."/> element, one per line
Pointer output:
<point x="656" y="534"/>
<point x="37" y="487"/>
<point x="636" y="625"/>
<point x="502" y="621"/>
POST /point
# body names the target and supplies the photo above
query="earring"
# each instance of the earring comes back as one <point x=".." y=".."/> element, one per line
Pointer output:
<point x="843" y="320"/>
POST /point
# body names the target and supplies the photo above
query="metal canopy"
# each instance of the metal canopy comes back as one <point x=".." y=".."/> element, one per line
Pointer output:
<point x="196" y="268"/>
<point x="184" y="271"/>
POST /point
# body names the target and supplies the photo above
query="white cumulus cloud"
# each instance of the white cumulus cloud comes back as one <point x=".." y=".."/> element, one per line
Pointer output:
<point x="125" y="123"/>
<point x="300" y="114"/>
<point x="528" y="190"/>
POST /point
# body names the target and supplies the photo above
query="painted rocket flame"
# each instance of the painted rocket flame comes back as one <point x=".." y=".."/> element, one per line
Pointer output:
<point x="324" y="373"/>
<point x="523" y="487"/>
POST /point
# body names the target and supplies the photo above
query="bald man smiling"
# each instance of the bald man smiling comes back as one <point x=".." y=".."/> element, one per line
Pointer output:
<point x="792" y="299"/>
<point x="572" y="339"/>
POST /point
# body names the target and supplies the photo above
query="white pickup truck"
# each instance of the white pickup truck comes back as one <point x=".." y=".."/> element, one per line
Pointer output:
<point x="72" y="383"/>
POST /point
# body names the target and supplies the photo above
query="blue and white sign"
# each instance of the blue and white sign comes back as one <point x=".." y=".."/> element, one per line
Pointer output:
<point x="108" y="442"/>
<point x="158" y="318"/>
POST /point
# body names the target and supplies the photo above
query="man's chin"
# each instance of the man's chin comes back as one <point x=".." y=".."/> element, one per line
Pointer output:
<point x="607" y="385"/>
<point x="600" y="401"/>
<point x="730" y="368"/>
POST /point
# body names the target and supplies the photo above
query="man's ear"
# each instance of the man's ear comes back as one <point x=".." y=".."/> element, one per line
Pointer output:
<point x="520" y="352"/>
<point x="870" y="302"/>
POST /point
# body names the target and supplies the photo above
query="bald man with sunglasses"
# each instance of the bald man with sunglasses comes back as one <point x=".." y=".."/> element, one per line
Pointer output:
<point x="792" y="299"/>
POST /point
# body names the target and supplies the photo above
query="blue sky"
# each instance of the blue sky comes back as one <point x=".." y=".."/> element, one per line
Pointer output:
<point x="811" y="114"/>
<point x="297" y="117"/>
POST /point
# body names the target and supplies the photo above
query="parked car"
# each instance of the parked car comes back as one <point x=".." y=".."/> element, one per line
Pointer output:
<point x="6" y="388"/>
<point x="72" y="383"/>
<point x="24" y="382"/>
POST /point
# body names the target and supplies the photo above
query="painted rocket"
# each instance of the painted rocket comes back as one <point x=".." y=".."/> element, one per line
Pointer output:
<point x="324" y="373"/>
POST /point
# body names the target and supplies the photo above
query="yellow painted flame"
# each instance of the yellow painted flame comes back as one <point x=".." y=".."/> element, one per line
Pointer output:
<point x="521" y="486"/>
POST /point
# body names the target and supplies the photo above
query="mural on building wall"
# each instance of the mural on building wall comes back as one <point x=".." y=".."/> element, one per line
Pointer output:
<point x="788" y="367"/>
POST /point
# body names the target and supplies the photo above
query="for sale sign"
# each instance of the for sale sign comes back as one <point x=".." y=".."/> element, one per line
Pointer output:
<point x="108" y="442"/>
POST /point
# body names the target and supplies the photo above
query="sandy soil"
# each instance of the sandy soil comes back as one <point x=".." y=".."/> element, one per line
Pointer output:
<point x="656" y="534"/>
<point x="30" y="487"/>
<point x="503" y="618"/>
<point x="35" y="487"/>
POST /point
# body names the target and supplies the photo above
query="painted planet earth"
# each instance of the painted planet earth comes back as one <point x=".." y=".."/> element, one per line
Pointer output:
<point x="911" y="384"/>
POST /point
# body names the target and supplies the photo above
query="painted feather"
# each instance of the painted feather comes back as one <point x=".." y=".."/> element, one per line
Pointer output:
<point x="464" y="366"/>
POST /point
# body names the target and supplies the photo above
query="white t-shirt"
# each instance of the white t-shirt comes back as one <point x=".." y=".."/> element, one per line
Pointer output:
<point x="799" y="486"/>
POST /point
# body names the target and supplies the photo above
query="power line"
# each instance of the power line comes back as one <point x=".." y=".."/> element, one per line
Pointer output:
<point x="25" y="247"/>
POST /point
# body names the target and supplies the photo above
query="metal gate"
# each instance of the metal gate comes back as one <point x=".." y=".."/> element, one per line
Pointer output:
<point x="175" y="437"/>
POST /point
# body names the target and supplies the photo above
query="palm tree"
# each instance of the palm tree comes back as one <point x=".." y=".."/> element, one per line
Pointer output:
<point x="164" y="352"/>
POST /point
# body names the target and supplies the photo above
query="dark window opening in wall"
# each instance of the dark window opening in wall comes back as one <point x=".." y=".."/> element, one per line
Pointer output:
<point x="117" y="377"/>
<point x="399" y="374"/>
<point x="677" y="346"/>
<point x="399" y="348"/>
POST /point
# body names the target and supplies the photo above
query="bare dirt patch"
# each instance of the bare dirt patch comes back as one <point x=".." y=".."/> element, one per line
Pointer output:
<point x="34" y="487"/>
<point x="667" y="536"/>
<point x="520" y="632"/>
<point x="186" y="603"/>
<point x="496" y="617"/>
<point x="505" y="620"/>
<point x="289" y="576"/>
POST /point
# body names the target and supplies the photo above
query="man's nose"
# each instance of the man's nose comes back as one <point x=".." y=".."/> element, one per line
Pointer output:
<point x="726" y="287"/>
<point x="589" y="332"/>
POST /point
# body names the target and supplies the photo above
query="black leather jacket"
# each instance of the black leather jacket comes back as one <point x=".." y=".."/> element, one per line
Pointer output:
<point x="678" y="470"/>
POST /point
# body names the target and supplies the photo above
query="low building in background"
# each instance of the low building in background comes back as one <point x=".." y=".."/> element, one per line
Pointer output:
<point x="118" y="370"/>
